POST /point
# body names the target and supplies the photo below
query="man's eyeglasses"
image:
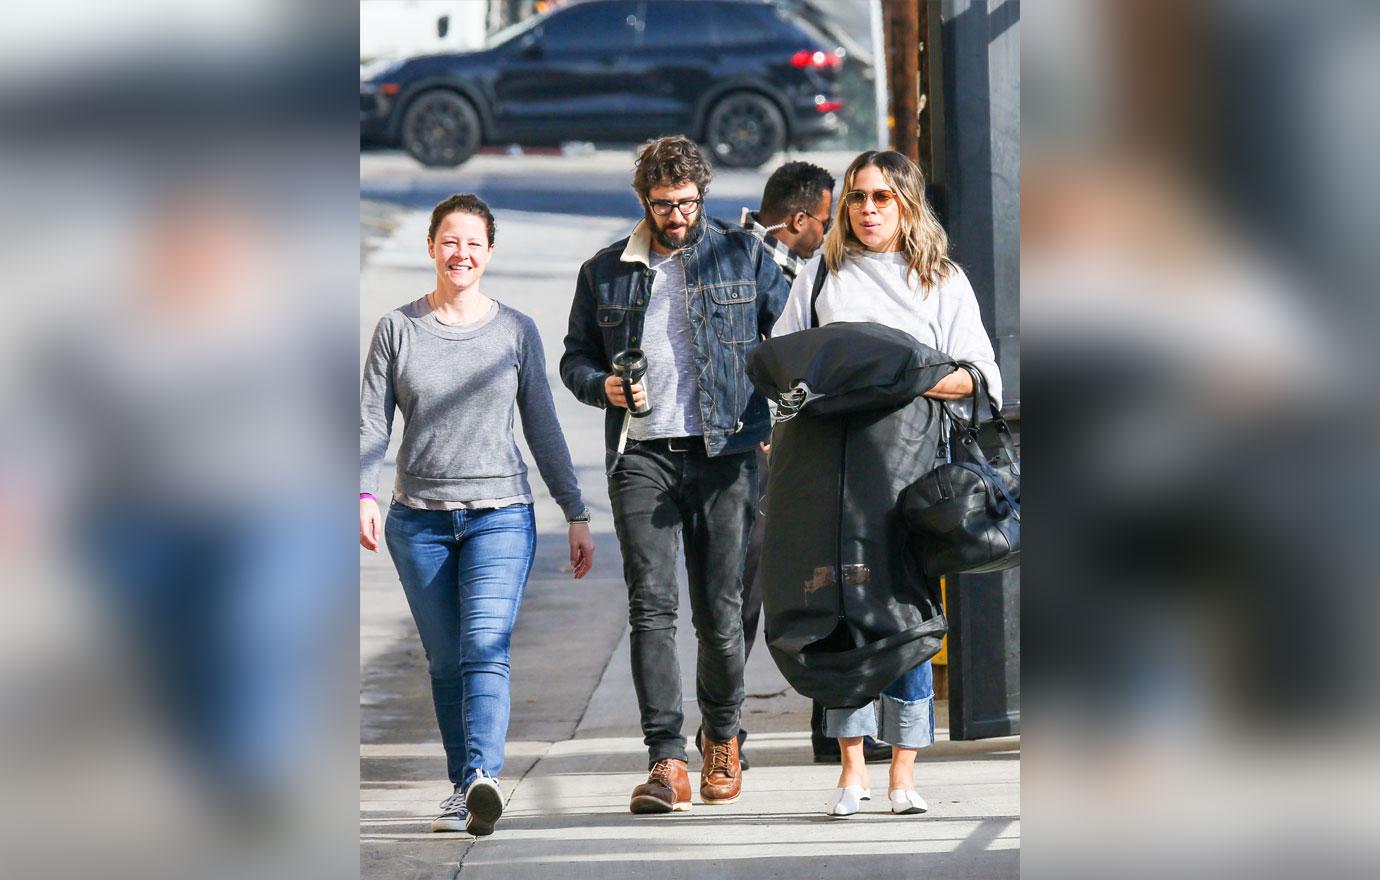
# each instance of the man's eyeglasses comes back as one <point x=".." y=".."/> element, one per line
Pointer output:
<point x="827" y="223"/>
<point x="856" y="198"/>
<point x="663" y="209"/>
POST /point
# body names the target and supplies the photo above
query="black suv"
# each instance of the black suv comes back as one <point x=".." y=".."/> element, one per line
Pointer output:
<point x="740" y="76"/>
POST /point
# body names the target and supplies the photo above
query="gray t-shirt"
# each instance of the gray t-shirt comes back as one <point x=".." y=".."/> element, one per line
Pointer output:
<point x="459" y="388"/>
<point x="669" y="344"/>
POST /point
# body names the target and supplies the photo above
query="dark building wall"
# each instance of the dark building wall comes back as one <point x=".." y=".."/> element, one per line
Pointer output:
<point x="982" y="206"/>
<point x="982" y="130"/>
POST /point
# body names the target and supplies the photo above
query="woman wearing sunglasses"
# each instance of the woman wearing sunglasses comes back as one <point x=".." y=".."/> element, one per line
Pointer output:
<point x="887" y="259"/>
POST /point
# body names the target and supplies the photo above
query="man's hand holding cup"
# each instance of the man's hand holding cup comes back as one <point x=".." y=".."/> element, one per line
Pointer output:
<point x="613" y="390"/>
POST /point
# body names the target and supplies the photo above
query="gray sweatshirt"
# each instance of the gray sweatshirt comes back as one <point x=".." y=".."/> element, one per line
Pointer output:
<point x="457" y="388"/>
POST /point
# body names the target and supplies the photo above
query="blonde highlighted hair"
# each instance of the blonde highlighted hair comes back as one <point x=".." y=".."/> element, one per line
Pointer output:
<point x="923" y="240"/>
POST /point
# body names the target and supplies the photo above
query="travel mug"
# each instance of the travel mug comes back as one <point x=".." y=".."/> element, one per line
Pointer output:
<point x="630" y="366"/>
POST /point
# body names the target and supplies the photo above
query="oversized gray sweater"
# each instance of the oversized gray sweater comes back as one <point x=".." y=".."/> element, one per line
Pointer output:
<point x="457" y="389"/>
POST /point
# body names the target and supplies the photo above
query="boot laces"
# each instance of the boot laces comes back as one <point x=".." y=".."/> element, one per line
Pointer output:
<point x="662" y="771"/>
<point x="720" y="758"/>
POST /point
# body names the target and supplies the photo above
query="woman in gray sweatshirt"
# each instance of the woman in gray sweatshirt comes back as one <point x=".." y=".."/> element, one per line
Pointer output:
<point x="460" y="527"/>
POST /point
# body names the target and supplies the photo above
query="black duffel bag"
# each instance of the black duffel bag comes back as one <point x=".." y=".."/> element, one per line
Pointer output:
<point x="966" y="515"/>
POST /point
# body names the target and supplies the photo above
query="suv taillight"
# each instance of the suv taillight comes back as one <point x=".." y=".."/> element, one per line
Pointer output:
<point x="817" y="59"/>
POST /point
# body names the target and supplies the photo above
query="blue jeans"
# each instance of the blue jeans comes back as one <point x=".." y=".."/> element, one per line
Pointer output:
<point x="907" y="713"/>
<point x="464" y="572"/>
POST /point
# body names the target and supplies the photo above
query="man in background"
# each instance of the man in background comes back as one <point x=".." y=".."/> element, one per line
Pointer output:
<point x="795" y="214"/>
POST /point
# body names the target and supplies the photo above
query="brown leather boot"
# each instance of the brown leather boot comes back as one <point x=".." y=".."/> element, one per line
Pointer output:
<point x="667" y="789"/>
<point x="721" y="776"/>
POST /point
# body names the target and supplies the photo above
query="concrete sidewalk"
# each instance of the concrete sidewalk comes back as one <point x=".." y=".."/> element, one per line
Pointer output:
<point x="569" y="815"/>
<point x="574" y="748"/>
<point x="575" y="753"/>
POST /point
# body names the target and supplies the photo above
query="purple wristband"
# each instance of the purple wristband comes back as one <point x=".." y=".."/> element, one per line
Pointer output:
<point x="363" y="495"/>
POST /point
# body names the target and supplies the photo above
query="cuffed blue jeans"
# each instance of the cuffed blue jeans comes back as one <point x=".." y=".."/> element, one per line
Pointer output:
<point x="906" y="710"/>
<point x="464" y="572"/>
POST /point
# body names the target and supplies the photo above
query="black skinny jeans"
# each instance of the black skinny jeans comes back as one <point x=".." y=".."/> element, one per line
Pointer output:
<point x="752" y="591"/>
<point x="658" y="495"/>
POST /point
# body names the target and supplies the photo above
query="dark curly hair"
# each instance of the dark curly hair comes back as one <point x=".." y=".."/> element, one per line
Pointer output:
<point x="668" y="161"/>
<point x="795" y="186"/>
<point x="462" y="203"/>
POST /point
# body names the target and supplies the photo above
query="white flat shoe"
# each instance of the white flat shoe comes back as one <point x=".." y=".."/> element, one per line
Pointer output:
<point x="905" y="802"/>
<point x="847" y="801"/>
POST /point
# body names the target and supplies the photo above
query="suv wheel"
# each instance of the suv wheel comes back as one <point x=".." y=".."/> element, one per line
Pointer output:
<point x="744" y="130"/>
<point x="440" y="128"/>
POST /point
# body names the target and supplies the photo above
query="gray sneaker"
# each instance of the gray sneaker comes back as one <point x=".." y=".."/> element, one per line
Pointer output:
<point x="453" y="813"/>
<point x="485" y="802"/>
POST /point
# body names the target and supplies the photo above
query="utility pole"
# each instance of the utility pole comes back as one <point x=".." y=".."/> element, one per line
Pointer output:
<point x="902" y="26"/>
<point x="915" y="77"/>
<point x="914" y="82"/>
<point x="930" y="106"/>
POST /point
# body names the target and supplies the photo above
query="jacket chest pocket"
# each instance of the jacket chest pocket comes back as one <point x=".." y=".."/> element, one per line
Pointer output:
<point x="614" y="323"/>
<point x="733" y="312"/>
<point x="611" y="316"/>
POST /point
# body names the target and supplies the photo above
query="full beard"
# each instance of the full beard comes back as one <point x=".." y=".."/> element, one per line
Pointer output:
<point x="688" y="237"/>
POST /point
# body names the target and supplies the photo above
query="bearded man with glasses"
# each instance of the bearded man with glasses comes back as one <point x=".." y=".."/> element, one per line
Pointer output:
<point x="695" y="297"/>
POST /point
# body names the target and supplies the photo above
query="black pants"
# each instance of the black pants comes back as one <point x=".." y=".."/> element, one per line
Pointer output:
<point x="752" y="593"/>
<point x="658" y="495"/>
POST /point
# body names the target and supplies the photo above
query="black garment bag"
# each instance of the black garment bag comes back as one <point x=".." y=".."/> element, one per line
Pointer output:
<point x="847" y="608"/>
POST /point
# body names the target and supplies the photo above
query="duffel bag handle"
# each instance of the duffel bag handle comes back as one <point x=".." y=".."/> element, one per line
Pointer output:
<point x="969" y="431"/>
<point x="968" y="439"/>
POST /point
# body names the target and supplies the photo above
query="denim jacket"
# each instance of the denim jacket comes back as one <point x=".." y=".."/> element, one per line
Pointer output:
<point x="735" y="293"/>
